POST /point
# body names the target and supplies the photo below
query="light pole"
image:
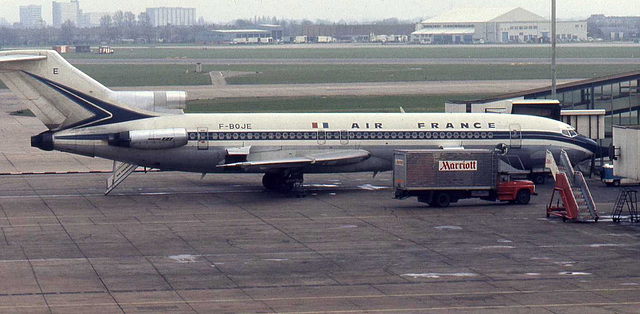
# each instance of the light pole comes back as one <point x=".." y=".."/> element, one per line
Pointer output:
<point x="553" y="49"/>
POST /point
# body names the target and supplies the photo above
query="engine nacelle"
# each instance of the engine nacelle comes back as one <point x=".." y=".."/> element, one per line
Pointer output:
<point x="150" y="139"/>
<point x="160" y="101"/>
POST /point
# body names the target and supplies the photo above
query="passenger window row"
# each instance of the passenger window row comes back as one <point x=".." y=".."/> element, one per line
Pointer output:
<point x="336" y="135"/>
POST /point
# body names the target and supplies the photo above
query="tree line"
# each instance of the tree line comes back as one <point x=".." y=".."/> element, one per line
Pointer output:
<point x="126" y="27"/>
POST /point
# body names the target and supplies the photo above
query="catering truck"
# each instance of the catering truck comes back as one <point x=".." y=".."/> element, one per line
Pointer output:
<point x="440" y="177"/>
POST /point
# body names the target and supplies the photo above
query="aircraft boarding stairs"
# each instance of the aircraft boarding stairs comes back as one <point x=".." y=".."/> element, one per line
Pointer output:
<point x="573" y="200"/>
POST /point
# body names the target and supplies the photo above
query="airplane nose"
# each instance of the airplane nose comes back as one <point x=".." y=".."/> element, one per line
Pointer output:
<point x="592" y="146"/>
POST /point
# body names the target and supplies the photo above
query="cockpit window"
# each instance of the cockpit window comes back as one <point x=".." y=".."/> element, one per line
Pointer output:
<point x="569" y="133"/>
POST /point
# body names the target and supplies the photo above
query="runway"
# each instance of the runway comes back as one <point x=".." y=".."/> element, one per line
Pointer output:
<point x="453" y="88"/>
<point x="364" y="61"/>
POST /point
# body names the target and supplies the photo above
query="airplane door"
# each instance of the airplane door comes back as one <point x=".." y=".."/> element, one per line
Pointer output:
<point x="344" y="137"/>
<point x="515" y="136"/>
<point x="322" y="137"/>
<point x="203" y="138"/>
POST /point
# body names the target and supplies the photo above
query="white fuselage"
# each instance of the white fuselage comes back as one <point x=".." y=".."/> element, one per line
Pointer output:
<point x="214" y="137"/>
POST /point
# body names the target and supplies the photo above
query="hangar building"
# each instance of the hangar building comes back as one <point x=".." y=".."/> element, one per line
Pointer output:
<point x="235" y="36"/>
<point x="263" y="34"/>
<point x="494" y="25"/>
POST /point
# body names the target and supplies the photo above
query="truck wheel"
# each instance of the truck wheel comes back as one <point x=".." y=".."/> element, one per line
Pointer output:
<point x="539" y="178"/>
<point x="442" y="199"/>
<point x="523" y="197"/>
<point x="616" y="182"/>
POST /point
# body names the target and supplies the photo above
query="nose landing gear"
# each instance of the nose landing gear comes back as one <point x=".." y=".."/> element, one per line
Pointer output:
<point x="285" y="181"/>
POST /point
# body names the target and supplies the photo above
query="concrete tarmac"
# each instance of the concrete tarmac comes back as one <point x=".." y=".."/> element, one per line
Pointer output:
<point x="170" y="242"/>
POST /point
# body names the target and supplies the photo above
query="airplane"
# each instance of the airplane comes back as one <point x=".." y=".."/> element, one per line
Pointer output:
<point x="148" y="129"/>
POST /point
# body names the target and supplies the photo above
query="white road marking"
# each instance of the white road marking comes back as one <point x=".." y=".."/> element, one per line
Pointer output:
<point x="574" y="273"/>
<point x="183" y="258"/>
<point x="448" y="228"/>
<point x="438" y="275"/>
<point x="492" y="247"/>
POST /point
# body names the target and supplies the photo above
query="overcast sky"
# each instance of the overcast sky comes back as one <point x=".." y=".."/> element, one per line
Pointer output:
<point x="333" y="10"/>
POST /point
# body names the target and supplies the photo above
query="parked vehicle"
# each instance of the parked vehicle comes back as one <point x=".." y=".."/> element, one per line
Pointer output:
<point x="440" y="177"/>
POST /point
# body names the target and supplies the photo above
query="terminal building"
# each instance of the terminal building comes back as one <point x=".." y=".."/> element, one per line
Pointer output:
<point x="494" y="25"/>
<point x="615" y="97"/>
<point x="614" y="27"/>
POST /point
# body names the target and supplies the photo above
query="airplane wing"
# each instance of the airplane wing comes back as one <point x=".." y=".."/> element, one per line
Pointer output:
<point x="21" y="57"/>
<point x="332" y="158"/>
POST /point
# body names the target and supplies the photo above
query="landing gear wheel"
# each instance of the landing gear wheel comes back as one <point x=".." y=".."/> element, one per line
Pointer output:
<point x="272" y="181"/>
<point x="286" y="182"/>
<point x="523" y="197"/>
<point x="296" y="189"/>
<point x="442" y="199"/>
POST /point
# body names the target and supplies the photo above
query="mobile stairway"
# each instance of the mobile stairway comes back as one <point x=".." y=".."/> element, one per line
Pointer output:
<point x="571" y="195"/>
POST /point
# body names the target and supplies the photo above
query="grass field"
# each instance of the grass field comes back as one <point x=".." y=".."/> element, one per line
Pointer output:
<point x="174" y="75"/>
<point x="299" y="52"/>
<point x="144" y="75"/>
<point x="410" y="103"/>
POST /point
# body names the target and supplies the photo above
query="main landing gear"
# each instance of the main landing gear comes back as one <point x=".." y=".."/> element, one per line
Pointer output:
<point x="284" y="181"/>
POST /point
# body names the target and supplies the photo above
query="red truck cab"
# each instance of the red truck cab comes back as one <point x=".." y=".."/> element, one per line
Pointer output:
<point x="516" y="191"/>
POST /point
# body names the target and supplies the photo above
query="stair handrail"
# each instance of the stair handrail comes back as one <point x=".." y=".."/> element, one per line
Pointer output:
<point x="550" y="163"/>
<point x="566" y="163"/>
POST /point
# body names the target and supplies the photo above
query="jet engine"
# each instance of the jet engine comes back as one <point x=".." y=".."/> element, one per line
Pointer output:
<point x="150" y="139"/>
<point x="161" y="101"/>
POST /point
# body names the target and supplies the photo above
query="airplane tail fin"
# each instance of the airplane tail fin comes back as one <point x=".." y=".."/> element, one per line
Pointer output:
<point x="60" y="95"/>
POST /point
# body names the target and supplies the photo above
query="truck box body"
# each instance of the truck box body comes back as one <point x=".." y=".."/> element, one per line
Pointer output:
<point x="438" y="169"/>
